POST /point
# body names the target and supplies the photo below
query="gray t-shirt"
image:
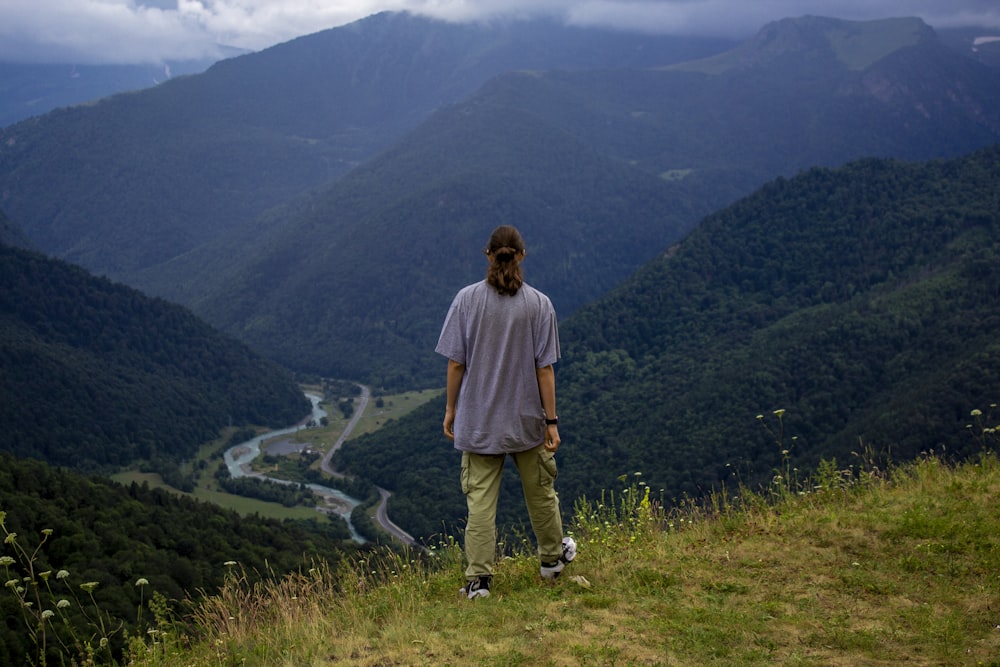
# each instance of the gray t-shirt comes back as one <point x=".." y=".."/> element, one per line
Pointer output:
<point x="500" y="340"/>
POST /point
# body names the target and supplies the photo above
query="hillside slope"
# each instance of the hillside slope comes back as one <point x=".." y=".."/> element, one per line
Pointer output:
<point x="11" y="234"/>
<point x="897" y="568"/>
<point x="97" y="375"/>
<point x="862" y="300"/>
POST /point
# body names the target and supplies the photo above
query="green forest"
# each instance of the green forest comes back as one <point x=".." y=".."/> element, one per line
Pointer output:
<point x="100" y="531"/>
<point x="839" y="314"/>
<point x="97" y="375"/>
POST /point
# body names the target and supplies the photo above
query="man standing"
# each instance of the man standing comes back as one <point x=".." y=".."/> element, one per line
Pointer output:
<point x="501" y="341"/>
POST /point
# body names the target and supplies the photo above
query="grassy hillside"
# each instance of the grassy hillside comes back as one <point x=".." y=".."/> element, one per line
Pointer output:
<point x="860" y="567"/>
<point x="856" y="44"/>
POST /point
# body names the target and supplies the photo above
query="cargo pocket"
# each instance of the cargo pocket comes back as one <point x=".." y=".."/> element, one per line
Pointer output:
<point x="547" y="468"/>
<point x="465" y="473"/>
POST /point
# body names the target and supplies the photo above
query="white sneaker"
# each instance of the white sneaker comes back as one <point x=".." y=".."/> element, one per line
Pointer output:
<point x="552" y="570"/>
<point x="476" y="588"/>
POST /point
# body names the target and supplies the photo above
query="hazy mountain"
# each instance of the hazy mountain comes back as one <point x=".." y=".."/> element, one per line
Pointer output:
<point x="11" y="234"/>
<point x="864" y="301"/>
<point x="31" y="89"/>
<point x="601" y="169"/>
<point x="97" y="375"/>
<point x="977" y="43"/>
<point x="142" y="177"/>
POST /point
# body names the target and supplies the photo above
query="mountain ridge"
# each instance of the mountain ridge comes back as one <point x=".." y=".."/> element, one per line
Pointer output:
<point x="855" y="44"/>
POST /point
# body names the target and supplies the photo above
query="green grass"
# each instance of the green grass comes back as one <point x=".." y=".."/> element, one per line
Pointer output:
<point x="393" y="407"/>
<point x="883" y="568"/>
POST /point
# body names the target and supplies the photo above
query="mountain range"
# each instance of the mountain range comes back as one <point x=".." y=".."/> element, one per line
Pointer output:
<point x="299" y="217"/>
<point x="28" y="90"/>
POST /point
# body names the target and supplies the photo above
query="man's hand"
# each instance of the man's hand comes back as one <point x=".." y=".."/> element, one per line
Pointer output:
<point x="449" y="424"/>
<point x="552" y="437"/>
<point x="456" y="372"/>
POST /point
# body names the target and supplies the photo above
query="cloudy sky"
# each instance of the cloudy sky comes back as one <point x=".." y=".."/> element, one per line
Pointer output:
<point x="133" y="31"/>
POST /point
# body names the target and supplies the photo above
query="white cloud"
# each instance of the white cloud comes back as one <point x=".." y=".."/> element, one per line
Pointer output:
<point x="155" y="30"/>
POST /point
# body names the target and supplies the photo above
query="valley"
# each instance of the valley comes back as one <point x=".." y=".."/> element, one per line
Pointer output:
<point x="276" y="454"/>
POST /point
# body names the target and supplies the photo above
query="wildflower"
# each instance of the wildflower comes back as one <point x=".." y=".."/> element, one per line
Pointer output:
<point x="6" y="561"/>
<point x="779" y="413"/>
<point x="142" y="581"/>
<point x="62" y="604"/>
<point x="45" y="575"/>
<point x="89" y="586"/>
<point x="48" y="613"/>
<point x="11" y="583"/>
<point x="229" y="563"/>
<point x="977" y="413"/>
<point x="760" y="416"/>
<point x="11" y="537"/>
<point x="46" y="532"/>
<point x="62" y="574"/>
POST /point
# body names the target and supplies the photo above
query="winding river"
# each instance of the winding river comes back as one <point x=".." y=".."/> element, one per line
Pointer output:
<point x="238" y="458"/>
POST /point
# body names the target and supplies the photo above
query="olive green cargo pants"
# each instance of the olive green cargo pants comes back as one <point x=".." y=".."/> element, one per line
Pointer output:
<point x="481" y="476"/>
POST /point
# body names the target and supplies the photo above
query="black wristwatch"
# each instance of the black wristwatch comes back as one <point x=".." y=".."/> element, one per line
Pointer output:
<point x="552" y="422"/>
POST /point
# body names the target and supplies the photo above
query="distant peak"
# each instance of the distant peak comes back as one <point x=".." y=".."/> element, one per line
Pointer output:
<point x="855" y="44"/>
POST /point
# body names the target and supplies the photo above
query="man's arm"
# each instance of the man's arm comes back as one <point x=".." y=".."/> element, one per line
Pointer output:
<point x="456" y="372"/>
<point x="547" y="391"/>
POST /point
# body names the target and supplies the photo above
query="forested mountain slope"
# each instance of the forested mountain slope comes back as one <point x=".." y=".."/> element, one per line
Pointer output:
<point x="142" y="177"/>
<point x="96" y="375"/>
<point x="601" y="170"/>
<point x="11" y="234"/>
<point x="863" y="301"/>
<point x="115" y="535"/>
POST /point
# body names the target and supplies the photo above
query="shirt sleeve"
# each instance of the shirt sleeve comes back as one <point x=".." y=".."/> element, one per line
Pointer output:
<point x="546" y="336"/>
<point x="451" y="342"/>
